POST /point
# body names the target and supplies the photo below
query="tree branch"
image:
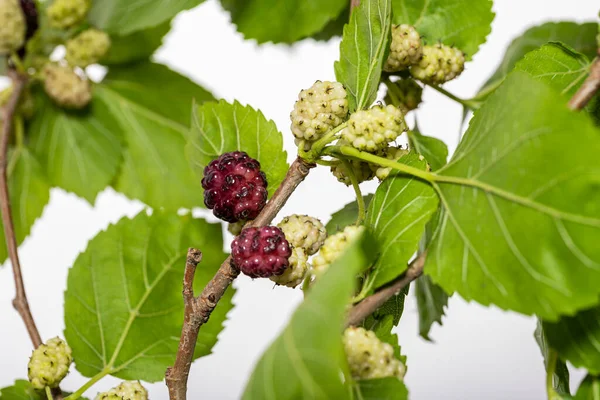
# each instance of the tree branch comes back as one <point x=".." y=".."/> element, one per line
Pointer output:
<point x="589" y="88"/>
<point x="198" y="309"/>
<point x="370" y="304"/>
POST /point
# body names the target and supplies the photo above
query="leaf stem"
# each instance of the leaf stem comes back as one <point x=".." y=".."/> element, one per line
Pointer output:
<point x="359" y="198"/>
<point x="93" y="380"/>
<point x="550" y="369"/>
<point x="470" y="104"/>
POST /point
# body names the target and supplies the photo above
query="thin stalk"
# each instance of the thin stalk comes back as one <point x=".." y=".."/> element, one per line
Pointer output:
<point x="88" y="384"/>
<point x="470" y="104"/>
<point x="359" y="198"/>
<point x="19" y="131"/>
<point x="49" y="393"/>
<point x="317" y="147"/>
<point x="393" y="92"/>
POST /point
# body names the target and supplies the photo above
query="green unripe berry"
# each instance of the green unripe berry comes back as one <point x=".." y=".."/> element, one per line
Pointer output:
<point x="405" y="49"/>
<point x="391" y="153"/>
<point x="87" y="48"/>
<point x="49" y="364"/>
<point x="360" y="169"/>
<point x="304" y="232"/>
<point x="406" y="92"/>
<point x="12" y="26"/>
<point x="373" y="129"/>
<point x="295" y="273"/>
<point x="64" y="14"/>
<point x="125" y="391"/>
<point x="440" y="63"/>
<point x="334" y="247"/>
<point x="65" y="87"/>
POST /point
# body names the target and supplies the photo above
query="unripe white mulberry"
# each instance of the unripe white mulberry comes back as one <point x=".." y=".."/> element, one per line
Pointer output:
<point x="372" y="129"/>
<point x="125" y="391"/>
<point x="391" y="153"/>
<point x="87" y="48"/>
<point x="319" y="109"/>
<point x="408" y="92"/>
<point x="65" y="87"/>
<point x="360" y="169"/>
<point x="369" y="357"/>
<point x="49" y="364"/>
<point x="333" y="247"/>
<point x="64" y="14"/>
<point x="12" y="26"/>
<point x="303" y="231"/>
<point x="405" y="49"/>
<point x="440" y="63"/>
<point x="294" y="274"/>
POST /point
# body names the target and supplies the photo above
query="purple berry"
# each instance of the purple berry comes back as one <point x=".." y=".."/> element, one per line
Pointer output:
<point x="234" y="187"/>
<point x="261" y="252"/>
<point x="31" y="16"/>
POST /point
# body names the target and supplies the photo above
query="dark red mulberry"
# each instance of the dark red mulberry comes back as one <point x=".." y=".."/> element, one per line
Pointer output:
<point x="261" y="252"/>
<point x="234" y="187"/>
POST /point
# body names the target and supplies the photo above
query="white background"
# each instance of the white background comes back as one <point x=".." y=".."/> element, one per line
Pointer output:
<point x="478" y="354"/>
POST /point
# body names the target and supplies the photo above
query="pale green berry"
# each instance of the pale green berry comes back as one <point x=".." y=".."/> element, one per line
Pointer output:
<point x="372" y="129"/>
<point x="334" y="246"/>
<point x="303" y="231"/>
<point x="370" y="358"/>
<point x="295" y="273"/>
<point x="87" y="48"/>
<point x="65" y="87"/>
<point x="319" y="109"/>
<point x="12" y="26"/>
<point x="391" y="153"/>
<point x="407" y="92"/>
<point x="49" y="364"/>
<point x="64" y="14"/>
<point x="360" y="169"/>
<point x="125" y="391"/>
<point x="440" y="63"/>
<point x="405" y="49"/>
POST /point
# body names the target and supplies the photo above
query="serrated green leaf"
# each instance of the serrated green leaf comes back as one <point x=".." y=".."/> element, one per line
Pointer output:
<point x="464" y="24"/>
<point x="21" y="390"/>
<point x="521" y="216"/>
<point x="346" y="216"/>
<point x="152" y="106"/>
<point x="79" y="151"/>
<point x="137" y="46"/>
<point x="434" y="150"/>
<point x="383" y="388"/>
<point x="363" y="50"/>
<point x="431" y="302"/>
<point x="589" y="389"/>
<point x="289" y="20"/>
<point x="335" y="27"/>
<point x="123" y="18"/>
<point x="560" y="378"/>
<point x="397" y="216"/>
<point x="581" y="37"/>
<point x="307" y="360"/>
<point x="577" y="339"/>
<point x="221" y="127"/>
<point x="123" y="305"/>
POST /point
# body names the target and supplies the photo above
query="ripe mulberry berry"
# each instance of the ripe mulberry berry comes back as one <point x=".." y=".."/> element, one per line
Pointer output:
<point x="294" y="274"/>
<point x="65" y="87"/>
<point x="87" y="48"/>
<point x="304" y="232"/>
<point x="440" y="63"/>
<point x="333" y="247"/>
<point x="319" y="109"/>
<point x="391" y="153"/>
<point x="261" y="252"/>
<point x="373" y="129"/>
<point x="125" y="391"/>
<point x="407" y="93"/>
<point x="12" y="26"/>
<point x="64" y="14"/>
<point x="369" y="357"/>
<point x="234" y="187"/>
<point x="49" y="364"/>
<point x="405" y="50"/>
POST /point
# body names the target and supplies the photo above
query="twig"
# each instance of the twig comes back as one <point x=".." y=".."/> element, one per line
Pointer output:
<point x="354" y="4"/>
<point x="198" y="309"/>
<point x="370" y="304"/>
<point x="589" y="87"/>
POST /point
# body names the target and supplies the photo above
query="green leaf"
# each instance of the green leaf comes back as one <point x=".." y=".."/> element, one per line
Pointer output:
<point x="346" y="216"/>
<point x="431" y="302"/>
<point x="577" y="339"/>
<point x="152" y="106"/>
<point x="434" y="150"/>
<point x="560" y="378"/>
<point x="383" y="321"/>
<point x="521" y="216"/>
<point x="306" y="361"/>
<point x="137" y="46"/>
<point x="221" y="127"/>
<point x="123" y="305"/>
<point x="335" y="27"/>
<point x="21" y="390"/>
<point x="79" y="151"/>
<point x="122" y="17"/>
<point x="460" y="23"/>
<point x="397" y="216"/>
<point x="289" y="20"/>
<point x="556" y="65"/>
<point x="384" y="388"/>
<point x="581" y="37"/>
<point x="589" y="389"/>
<point x="363" y="50"/>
